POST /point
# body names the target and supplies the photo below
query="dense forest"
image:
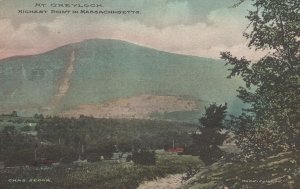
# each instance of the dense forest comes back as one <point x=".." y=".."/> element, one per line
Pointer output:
<point x="80" y="152"/>
<point x="60" y="138"/>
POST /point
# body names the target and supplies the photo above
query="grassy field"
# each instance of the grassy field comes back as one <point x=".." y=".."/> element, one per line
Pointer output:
<point x="99" y="175"/>
<point x="17" y="122"/>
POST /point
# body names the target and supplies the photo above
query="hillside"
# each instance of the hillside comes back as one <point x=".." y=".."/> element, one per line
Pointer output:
<point x="274" y="172"/>
<point x="140" y="107"/>
<point x="99" y="71"/>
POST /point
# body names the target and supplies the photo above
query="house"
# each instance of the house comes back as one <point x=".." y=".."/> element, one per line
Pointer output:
<point x="116" y="156"/>
<point x="120" y="157"/>
<point x="126" y="157"/>
<point x="80" y="162"/>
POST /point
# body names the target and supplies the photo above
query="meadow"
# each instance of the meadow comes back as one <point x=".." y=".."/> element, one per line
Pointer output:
<point x="98" y="175"/>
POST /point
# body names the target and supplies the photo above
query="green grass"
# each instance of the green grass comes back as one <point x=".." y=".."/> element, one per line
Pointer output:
<point x="105" y="175"/>
<point x="174" y="163"/>
<point x="186" y="116"/>
<point x="17" y="122"/>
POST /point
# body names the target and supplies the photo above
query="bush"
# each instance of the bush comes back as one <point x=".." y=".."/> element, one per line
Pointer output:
<point x="144" y="157"/>
<point x="20" y="157"/>
<point x="206" y="143"/>
<point x="25" y="128"/>
<point x="58" y="153"/>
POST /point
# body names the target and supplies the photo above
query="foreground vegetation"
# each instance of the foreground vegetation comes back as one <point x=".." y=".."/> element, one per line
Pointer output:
<point x="274" y="172"/>
<point x="64" y="140"/>
<point x="100" y="175"/>
<point x="268" y="132"/>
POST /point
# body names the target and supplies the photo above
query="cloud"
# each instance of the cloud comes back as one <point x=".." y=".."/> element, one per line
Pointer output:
<point x="155" y="13"/>
<point x="178" y="31"/>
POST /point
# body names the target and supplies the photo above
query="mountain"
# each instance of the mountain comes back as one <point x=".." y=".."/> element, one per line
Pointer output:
<point x="89" y="74"/>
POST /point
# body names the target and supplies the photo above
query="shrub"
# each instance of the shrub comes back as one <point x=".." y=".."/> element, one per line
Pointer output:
<point x="144" y="157"/>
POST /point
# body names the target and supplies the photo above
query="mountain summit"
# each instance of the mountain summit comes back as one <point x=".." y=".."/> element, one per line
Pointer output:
<point x="102" y="71"/>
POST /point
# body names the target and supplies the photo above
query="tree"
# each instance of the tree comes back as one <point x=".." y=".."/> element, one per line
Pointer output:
<point x="273" y="82"/>
<point x="144" y="157"/>
<point x="14" y="114"/>
<point x="211" y="125"/>
<point x="38" y="116"/>
<point x="270" y="128"/>
<point x="26" y="128"/>
<point x="9" y="130"/>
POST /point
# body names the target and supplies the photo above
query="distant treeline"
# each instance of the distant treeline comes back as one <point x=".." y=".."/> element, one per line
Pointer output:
<point x="65" y="139"/>
<point x="124" y="134"/>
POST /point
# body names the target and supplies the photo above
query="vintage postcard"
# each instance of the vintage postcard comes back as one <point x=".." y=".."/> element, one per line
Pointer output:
<point x="149" y="94"/>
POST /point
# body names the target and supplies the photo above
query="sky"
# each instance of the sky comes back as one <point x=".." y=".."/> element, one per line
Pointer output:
<point x="193" y="27"/>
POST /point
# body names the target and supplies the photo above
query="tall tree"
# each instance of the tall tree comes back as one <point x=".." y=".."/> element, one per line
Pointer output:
<point x="210" y="137"/>
<point x="273" y="82"/>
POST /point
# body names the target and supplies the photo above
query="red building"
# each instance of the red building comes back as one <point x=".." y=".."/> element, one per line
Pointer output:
<point x="176" y="150"/>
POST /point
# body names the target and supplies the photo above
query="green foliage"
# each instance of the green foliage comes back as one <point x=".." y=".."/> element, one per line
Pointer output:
<point x="18" y="122"/>
<point x="275" y="172"/>
<point x="214" y="116"/>
<point x="206" y="143"/>
<point x="65" y="139"/>
<point x="12" y="141"/>
<point x="38" y="116"/>
<point x="57" y="153"/>
<point x="94" y="152"/>
<point x="270" y="126"/>
<point x="273" y="82"/>
<point x="20" y="157"/>
<point x="268" y="132"/>
<point x="9" y="130"/>
<point x="14" y="114"/>
<point x="101" y="175"/>
<point x="262" y="141"/>
<point x="105" y="133"/>
<point x="144" y="157"/>
<point x="25" y="128"/>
